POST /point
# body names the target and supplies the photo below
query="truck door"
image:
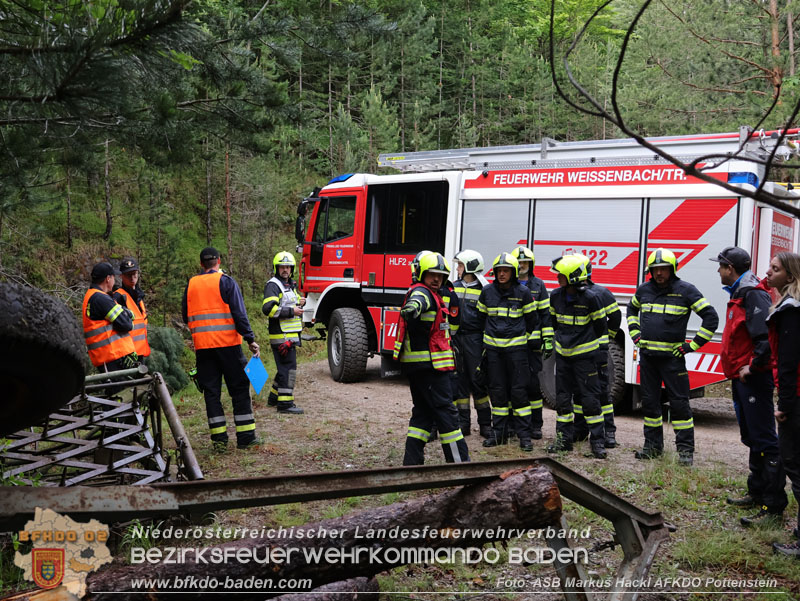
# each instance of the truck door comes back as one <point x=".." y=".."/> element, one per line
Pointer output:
<point x="775" y="232"/>
<point x="333" y="252"/>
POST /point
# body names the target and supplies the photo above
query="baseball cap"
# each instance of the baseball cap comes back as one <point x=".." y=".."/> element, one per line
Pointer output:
<point x="128" y="265"/>
<point x="102" y="271"/>
<point x="736" y="257"/>
<point x="209" y="252"/>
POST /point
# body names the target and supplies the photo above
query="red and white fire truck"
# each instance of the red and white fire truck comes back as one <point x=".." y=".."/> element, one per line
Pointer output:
<point x="612" y="200"/>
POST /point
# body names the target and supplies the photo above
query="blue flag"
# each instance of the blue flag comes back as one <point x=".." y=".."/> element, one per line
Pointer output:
<point x="257" y="373"/>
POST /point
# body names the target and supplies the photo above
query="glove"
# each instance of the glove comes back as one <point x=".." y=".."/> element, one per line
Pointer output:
<point x="547" y="347"/>
<point x="636" y="337"/>
<point x="284" y="348"/>
<point x="686" y="347"/>
<point x="410" y="310"/>
<point x="130" y="361"/>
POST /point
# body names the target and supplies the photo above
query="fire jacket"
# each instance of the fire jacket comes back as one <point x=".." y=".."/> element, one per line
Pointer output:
<point x="423" y="338"/>
<point x="541" y="300"/>
<point x="579" y="320"/>
<point x="661" y="315"/>
<point x="468" y="295"/>
<point x="133" y="300"/>
<point x="509" y="317"/>
<point x="745" y="340"/>
<point x="106" y="327"/>
<point x="213" y="308"/>
<point x="784" y="328"/>
<point x="610" y="308"/>
<point x="280" y="299"/>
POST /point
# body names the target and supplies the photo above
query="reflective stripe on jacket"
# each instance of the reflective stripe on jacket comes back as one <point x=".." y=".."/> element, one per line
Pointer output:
<point x="104" y="343"/>
<point x="425" y="340"/>
<point x="279" y="302"/>
<point x="579" y="321"/>
<point x="139" y="331"/>
<point x="661" y="315"/>
<point x="210" y="319"/>
<point x="510" y="317"/>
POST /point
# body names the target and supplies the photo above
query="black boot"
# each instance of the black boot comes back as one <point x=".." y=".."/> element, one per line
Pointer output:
<point x="788" y="549"/>
<point x="494" y="442"/>
<point x="685" y="458"/>
<point x="559" y="445"/>
<point x="648" y="453"/>
<point x="610" y="441"/>
<point x="744" y="502"/>
<point x="486" y="431"/>
<point x="764" y="519"/>
<point x="598" y="450"/>
<point x="526" y="445"/>
<point x="536" y="432"/>
<point x="289" y="407"/>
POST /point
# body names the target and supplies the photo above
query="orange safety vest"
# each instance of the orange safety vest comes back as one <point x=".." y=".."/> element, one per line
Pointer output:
<point x="210" y="319"/>
<point x="439" y="353"/>
<point x="139" y="331"/>
<point x="105" y="344"/>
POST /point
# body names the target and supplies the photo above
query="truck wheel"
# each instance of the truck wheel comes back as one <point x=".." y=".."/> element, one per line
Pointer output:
<point x="42" y="356"/>
<point x="547" y="381"/>
<point x="347" y="345"/>
<point x="617" y="388"/>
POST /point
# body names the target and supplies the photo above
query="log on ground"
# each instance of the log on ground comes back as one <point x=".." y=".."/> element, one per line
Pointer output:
<point x="360" y="544"/>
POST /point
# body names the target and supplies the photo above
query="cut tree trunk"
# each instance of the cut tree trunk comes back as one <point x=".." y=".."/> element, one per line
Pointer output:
<point x="361" y="544"/>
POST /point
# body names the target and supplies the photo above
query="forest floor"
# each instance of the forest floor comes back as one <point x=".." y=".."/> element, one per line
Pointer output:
<point x="363" y="425"/>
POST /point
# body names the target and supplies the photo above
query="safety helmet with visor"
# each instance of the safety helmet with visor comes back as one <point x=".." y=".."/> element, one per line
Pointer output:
<point x="471" y="259"/>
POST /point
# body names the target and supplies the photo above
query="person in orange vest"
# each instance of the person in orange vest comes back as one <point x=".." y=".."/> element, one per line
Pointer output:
<point x="107" y="325"/>
<point x="131" y="297"/>
<point x="214" y="310"/>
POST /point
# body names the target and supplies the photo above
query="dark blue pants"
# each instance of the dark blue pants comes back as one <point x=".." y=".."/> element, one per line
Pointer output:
<point x="508" y="390"/>
<point x="752" y="401"/>
<point x="655" y="369"/>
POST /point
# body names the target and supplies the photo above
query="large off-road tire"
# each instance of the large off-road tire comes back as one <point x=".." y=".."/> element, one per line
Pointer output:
<point x="347" y="345"/>
<point x="616" y="378"/>
<point x="42" y="356"/>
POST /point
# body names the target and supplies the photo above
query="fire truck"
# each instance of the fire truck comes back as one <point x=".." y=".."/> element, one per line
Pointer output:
<point x="612" y="200"/>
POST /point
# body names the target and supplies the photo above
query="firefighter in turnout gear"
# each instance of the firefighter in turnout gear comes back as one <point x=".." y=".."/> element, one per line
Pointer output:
<point x="579" y="321"/>
<point x="613" y="320"/>
<point x="541" y="301"/>
<point x="468" y="344"/>
<point x="214" y="310"/>
<point x="283" y="306"/>
<point x="747" y="360"/>
<point x="130" y="296"/>
<point x="423" y="349"/>
<point x="106" y="324"/>
<point x="657" y="317"/>
<point x="510" y="327"/>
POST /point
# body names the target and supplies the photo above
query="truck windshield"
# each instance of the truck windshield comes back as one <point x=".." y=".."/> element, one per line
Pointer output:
<point x="336" y="219"/>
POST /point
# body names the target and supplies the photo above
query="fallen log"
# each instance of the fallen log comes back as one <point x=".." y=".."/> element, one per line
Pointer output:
<point x="352" y="589"/>
<point x="432" y="529"/>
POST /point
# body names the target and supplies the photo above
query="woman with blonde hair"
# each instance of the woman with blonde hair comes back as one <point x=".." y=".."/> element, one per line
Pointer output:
<point x="784" y="337"/>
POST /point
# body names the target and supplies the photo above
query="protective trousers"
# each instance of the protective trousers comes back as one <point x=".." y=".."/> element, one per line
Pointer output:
<point x="282" y="391"/>
<point x="431" y="393"/>
<point x="471" y="381"/>
<point x="212" y="365"/>
<point x="606" y="404"/>
<point x="508" y="390"/>
<point x="789" y="444"/>
<point x="578" y="389"/>
<point x="752" y="400"/>
<point x="653" y="370"/>
<point x="535" y="397"/>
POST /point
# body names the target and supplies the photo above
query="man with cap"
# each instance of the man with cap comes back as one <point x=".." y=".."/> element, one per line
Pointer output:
<point x="131" y="297"/>
<point x="106" y="324"/>
<point x="746" y="360"/>
<point x="214" y="309"/>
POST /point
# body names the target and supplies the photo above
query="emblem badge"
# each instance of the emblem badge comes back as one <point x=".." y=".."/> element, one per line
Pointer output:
<point x="339" y="253"/>
<point x="48" y="567"/>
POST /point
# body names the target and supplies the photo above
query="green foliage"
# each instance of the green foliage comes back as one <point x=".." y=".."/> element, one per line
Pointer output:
<point x="167" y="349"/>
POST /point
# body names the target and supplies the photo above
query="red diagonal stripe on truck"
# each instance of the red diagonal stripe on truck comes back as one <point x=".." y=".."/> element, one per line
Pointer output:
<point x="693" y="218"/>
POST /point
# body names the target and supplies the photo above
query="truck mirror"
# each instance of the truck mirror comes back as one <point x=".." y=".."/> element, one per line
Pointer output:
<point x="300" y="228"/>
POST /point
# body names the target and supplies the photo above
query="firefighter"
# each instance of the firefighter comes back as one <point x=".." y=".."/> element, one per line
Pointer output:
<point x="423" y="349"/>
<point x="613" y="320"/>
<point x="509" y="319"/>
<point x="284" y="307"/>
<point x="746" y="360"/>
<point x="580" y="332"/>
<point x="106" y="324"/>
<point x="130" y="296"/>
<point x="657" y="317"/>
<point x="468" y="344"/>
<point x="541" y="301"/>
<point x="214" y="310"/>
